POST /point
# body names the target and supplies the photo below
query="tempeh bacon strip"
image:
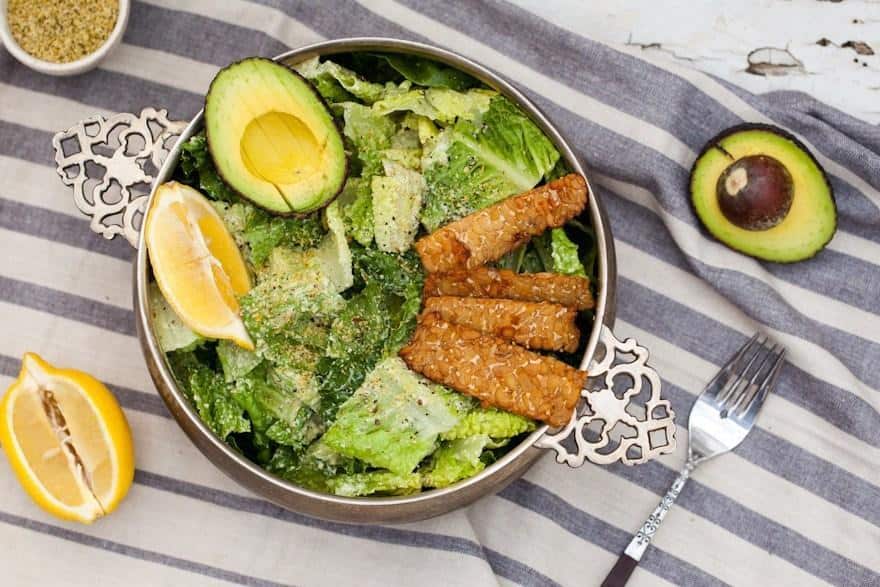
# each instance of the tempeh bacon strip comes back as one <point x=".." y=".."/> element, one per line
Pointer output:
<point x="540" y="326"/>
<point x="488" y="234"/>
<point x="497" y="372"/>
<point x="485" y="282"/>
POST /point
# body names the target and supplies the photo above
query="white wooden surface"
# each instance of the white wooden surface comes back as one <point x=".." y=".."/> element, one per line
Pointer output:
<point x="717" y="37"/>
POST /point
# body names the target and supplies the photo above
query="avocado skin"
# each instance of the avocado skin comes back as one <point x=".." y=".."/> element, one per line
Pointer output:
<point x="324" y="105"/>
<point x="714" y="143"/>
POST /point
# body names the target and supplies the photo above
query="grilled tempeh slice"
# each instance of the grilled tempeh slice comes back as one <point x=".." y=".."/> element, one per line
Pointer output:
<point x="541" y="326"/>
<point x="485" y="282"/>
<point x="495" y="371"/>
<point x="487" y="234"/>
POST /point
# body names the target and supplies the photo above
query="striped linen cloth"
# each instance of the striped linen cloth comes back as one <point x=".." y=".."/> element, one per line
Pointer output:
<point x="797" y="504"/>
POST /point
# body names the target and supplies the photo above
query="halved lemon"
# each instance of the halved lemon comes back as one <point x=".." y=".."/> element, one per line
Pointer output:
<point x="67" y="440"/>
<point x="196" y="263"/>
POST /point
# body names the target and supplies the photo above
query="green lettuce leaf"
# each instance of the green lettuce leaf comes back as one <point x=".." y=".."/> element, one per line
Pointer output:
<point x="355" y="345"/>
<point x="196" y="168"/>
<point x="375" y="482"/>
<point x="367" y="130"/>
<point x="263" y="232"/>
<point x="171" y="333"/>
<point x="424" y="127"/>
<point x="312" y="468"/>
<point x="333" y="255"/>
<point x="369" y="135"/>
<point x="278" y="414"/>
<point x="374" y="323"/>
<point x="397" y="201"/>
<point x="587" y="237"/>
<point x="209" y="393"/>
<point x="324" y="73"/>
<point x="425" y="72"/>
<point x="474" y="165"/>
<point x="440" y="104"/>
<point x="392" y="421"/>
<point x="236" y="361"/>
<point x="290" y="310"/>
<point x="257" y="232"/>
<point x="356" y="201"/>
<point x="406" y="150"/>
<point x="490" y="422"/>
<point x="400" y="276"/>
<point x="455" y="460"/>
<point x="565" y="254"/>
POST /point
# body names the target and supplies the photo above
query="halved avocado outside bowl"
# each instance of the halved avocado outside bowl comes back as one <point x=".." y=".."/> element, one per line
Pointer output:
<point x="272" y="137"/>
<point x="759" y="190"/>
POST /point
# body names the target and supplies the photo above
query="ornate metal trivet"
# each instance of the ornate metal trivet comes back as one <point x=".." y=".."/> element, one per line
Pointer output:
<point x="617" y="425"/>
<point x="110" y="164"/>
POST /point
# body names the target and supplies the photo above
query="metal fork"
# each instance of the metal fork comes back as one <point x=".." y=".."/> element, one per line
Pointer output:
<point x="720" y="419"/>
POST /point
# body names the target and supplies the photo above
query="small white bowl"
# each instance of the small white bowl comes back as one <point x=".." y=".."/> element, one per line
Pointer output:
<point x="88" y="62"/>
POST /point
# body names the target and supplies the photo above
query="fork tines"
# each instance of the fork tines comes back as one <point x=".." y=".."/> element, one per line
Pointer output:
<point x="750" y="375"/>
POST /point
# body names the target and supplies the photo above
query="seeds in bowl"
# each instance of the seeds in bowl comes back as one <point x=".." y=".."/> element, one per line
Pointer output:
<point x="61" y="31"/>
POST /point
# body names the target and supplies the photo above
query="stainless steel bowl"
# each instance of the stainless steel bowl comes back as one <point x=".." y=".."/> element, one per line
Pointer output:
<point x="494" y="477"/>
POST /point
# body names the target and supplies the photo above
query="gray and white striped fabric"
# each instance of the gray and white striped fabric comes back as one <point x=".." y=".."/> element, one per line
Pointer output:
<point x="797" y="504"/>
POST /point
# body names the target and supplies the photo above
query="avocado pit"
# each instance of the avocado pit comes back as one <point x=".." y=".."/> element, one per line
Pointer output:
<point x="755" y="192"/>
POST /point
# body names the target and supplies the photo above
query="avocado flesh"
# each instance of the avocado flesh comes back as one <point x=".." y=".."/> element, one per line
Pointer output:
<point x="812" y="218"/>
<point x="272" y="138"/>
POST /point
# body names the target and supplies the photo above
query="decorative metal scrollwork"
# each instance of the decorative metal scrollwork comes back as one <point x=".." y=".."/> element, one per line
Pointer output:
<point x="111" y="163"/>
<point x="611" y="425"/>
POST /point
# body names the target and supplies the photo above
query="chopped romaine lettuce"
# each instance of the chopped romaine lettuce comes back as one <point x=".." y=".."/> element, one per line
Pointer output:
<point x="361" y="323"/>
<point x="263" y="232"/>
<point x="397" y="201"/>
<point x="408" y="158"/>
<point x="492" y="422"/>
<point x="277" y="413"/>
<point x="426" y="129"/>
<point x="406" y="138"/>
<point x="210" y="395"/>
<point x="565" y="254"/>
<point x="400" y="276"/>
<point x="392" y="421"/>
<point x="440" y="104"/>
<point x="369" y="135"/>
<point x="257" y="232"/>
<point x="474" y="165"/>
<point x="289" y="312"/>
<point x="587" y="238"/>
<point x="367" y="130"/>
<point x="236" y="361"/>
<point x="425" y="72"/>
<point x="455" y="460"/>
<point x="171" y="333"/>
<point x="324" y="72"/>
<point x="355" y="345"/>
<point x="373" y="482"/>
<point x="334" y="256"/>
<point x="196" y="168"/>
<point x="356" y="201"/>
<point x="314" y="467"/>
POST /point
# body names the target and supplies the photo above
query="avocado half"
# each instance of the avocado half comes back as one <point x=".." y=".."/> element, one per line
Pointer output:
<point x="272" y="137"/>
<point x="760" y="191"/>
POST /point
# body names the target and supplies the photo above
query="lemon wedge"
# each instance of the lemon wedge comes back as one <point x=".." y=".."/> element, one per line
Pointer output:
<point x="67" y="440"/>
<point x="196" y="263"/>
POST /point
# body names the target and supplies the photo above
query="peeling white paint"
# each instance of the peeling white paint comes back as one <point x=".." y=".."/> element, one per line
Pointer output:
<point x="717" y="37"/>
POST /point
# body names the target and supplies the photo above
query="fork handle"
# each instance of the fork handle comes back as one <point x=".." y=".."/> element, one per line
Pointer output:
<point x="630" y="558"/>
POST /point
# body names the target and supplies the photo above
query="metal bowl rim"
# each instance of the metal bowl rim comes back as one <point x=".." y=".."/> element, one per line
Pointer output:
<point x="193" y="425"/>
